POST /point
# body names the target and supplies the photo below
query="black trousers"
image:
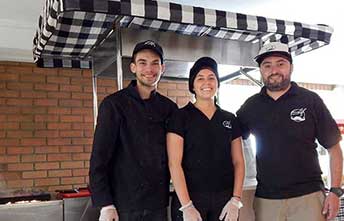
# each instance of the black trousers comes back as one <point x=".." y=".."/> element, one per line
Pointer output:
<point x="209" y="205"/>
<point x="144" y="215"/>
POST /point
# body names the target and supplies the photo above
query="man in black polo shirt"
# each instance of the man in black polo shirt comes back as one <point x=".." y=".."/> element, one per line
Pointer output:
<point x="286" y="120"/>
<point x="129" y="176"/>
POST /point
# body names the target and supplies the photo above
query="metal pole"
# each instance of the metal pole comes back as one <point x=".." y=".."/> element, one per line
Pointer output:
<point x="117" y="28"/>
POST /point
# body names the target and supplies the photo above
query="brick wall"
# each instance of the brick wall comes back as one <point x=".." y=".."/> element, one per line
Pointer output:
<point x="46" y="124"/>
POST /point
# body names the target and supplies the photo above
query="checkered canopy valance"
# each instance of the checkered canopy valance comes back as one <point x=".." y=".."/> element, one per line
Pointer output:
<point x="69" y="29"/>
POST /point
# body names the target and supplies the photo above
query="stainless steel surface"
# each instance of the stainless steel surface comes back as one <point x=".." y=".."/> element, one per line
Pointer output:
<point x="179" y="51"/>
<point x="79" y="209"/>
<point x="36" y="211"/>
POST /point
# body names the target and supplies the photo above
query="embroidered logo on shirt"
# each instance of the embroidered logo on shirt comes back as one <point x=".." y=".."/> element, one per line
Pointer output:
<point x="227" y="124"/>
<point x="298" y="115"/>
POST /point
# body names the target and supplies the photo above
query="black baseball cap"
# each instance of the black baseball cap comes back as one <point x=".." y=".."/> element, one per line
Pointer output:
<point x="151" y="45"/>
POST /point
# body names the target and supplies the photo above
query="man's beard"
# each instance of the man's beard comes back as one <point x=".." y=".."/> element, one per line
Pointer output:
<point x="277" y="86"/>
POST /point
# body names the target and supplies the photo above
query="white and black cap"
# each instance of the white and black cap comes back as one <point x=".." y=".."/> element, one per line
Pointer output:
<point x="273" y="49"/>
<point x="151" y="45"/>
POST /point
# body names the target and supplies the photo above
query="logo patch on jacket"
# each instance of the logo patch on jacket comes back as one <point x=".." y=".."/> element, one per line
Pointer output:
<point x="298" y="115"/>
<point x="227" y="124"/>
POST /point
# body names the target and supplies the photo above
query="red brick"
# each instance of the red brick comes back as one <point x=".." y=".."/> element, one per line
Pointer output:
<point x="33" y="94"/>
<point x="19" y="102"/>
<point x="79" y="141"/>
<point x="34" y="158"/>
<point x="59" y="173"/>
<point x="10" y="176"/>
<point x="89" y="89"/>
<point x="71" y="133"/>
<point x="66" y="95"/>
<point x="87" y="164"/>
<point x="58" y="80"/>
<point x="33" y="126"/>
<point x="46" y="118"/>
<point x="2" y="133"/>
<point x="88" y="133"/>
<point x="71" y="149"/>
<point x="88" y="148"/>
<point x="71" y="118"/>
<point x="19" y="69"/>
<point x="9" y="159"/>
<point x="82" y="96"/>
<point x="9" y="93"/>
<point x="33" y="141"/>
<point x="59" y="110"/>
<point x="34" y="174"/>
<point x="177" y="93"/>
<point x="45" y="102"/>
<point x="20" y="118"/>
<point x="86" y="73"/>
<point x="72" y="164"/>
<point x="87" y="103"/>
<point x="183" y="86"/>
<point x="10" y="125"/>
<point x="33" y="110"/>
<point x="47" y="87"/>
<point x="61" y="126"/>
<point x="9" y="142"/>
<point x="59" y="187"/>
<point x="72" y="180"/>
<point x="110" y="90"/>
<point x="9" y="77"/>
<point x="2" y="85"/>
<point x="81" y="81"/>
<point x="167" y="85"/>
<point x="59" y="141"/>
<point x="47" y="181"/>
<point x="19" y="133"/>
<point x="103" y="82"/>
<point x="47" y="149"/>
<point x="80" y="172"/>
<point x="19" y="183"/>
<point x="88" y="119"/>
<point x="70" y="103"/>
<point x="9" y="110"/>
<point x="82" y="111"/>
<point x="20" y="166"/>
<point x="70" y="72"/>
<point x="19" y="86"/>
<point x="3" y="150"/>
<point x="47" y="166"/>
<point x="59" y="157"/>
<point x="19" y="150"/>
<point x="32" y="78"/>
<point x="46" y="133"/>
<point x="45" y="71"/>
<point x="71" y="88"/>
<point x="81" y="156"/>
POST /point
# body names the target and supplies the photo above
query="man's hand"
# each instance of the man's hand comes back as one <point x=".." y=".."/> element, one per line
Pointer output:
<point x="331" y="206"/>
<point x="108" y="213"/>
<point x="230" y="211"/>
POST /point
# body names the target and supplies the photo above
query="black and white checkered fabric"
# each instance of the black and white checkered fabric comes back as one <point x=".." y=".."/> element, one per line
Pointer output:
<point x="69" y="29"/>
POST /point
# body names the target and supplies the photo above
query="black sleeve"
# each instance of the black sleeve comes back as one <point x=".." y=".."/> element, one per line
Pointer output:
<point x="176" y="123"/>
<point x="104" y="141"/>
<point x="243" y="124"/>
<point x="236" y="130"/>
<point x="327" y="131"/>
